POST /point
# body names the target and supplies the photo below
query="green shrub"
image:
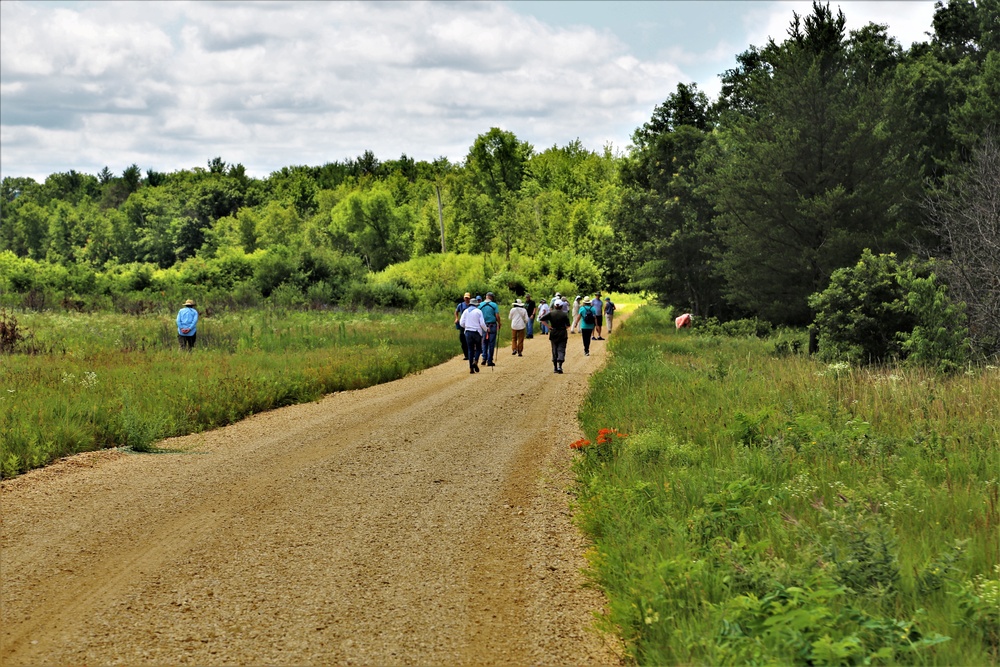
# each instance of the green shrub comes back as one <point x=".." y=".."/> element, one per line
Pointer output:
<point x="882" y="309"/>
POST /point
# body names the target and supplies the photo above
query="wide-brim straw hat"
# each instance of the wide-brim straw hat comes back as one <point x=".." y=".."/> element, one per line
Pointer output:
<point x="189" y="302"/>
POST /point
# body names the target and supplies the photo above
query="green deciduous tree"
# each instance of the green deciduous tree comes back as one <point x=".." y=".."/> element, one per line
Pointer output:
<point x="374" y="227"/>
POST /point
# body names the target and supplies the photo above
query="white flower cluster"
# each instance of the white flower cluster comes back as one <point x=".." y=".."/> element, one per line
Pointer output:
<point x="88" y="380"/>
<point x="835" y="369"/>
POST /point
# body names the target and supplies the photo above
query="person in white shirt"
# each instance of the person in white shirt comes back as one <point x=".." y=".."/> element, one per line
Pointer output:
<point x="474" y="324"/>
<point x="576" y="314"/>
<point x="518" y="325"/>
<point x="542" y="311"/>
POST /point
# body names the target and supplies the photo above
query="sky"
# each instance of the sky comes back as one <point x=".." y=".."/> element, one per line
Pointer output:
<point x="170" y="85"/>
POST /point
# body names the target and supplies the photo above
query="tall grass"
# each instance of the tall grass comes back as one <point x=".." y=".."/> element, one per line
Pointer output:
<point x="103" y="380"/>
<point x="765" y="508"/>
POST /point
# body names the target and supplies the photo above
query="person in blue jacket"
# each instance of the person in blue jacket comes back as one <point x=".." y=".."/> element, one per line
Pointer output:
<point x="187" y="325"/>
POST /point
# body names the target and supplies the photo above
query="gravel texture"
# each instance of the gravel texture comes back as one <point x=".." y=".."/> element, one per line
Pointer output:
<point x="425" y="521"/>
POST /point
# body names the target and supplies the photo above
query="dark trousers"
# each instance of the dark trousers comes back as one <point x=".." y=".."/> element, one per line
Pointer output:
<point x="465" y="345"/>
<point x="474" y="341"/>
<point x="558" y="350"/>
<point x="186" y="342"/>
<point x="490" y="347"/>
<point x="587" y="333"/>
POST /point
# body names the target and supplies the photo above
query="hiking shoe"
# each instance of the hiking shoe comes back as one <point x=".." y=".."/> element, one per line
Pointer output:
<point x="513" y="352"/>
<point x="472" y="371"/>
<point x="475" y="369"/>
<point x="586" y="354"/>
<point x="519" y="354"/>
<point x="490" y="363"/>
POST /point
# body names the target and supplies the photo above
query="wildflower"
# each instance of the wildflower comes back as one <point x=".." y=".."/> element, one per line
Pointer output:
<point x="579" y="444"/>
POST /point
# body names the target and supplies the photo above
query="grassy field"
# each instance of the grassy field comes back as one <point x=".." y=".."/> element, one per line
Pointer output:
<point x="103" y="380"/>
<point x="750" y="506"/>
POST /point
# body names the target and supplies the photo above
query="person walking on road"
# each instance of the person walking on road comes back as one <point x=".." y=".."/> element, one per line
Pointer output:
<point x="557" y="320"/>
<point x="599" y="313"/>
<point x="474" y="327"/>
<point x="459" y="309"/>
<point x="529" y="305"/>
<point x="543" y="310"/>
<point x="518" y="325"/>
<point x="491" y="315"/>
<point x="187" y="325"/>
<point x="588" y="320"/>
<point x="609" y="312"/>
<point x="576" y="315"/>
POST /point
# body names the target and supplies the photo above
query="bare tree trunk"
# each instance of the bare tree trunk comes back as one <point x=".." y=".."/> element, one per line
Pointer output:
<point x="966" y="218"/>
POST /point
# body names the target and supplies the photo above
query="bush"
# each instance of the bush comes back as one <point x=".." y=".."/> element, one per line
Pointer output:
<point x="361" y="294"/>
<point x="745" y="328"/>
<point x="882" y="309"/>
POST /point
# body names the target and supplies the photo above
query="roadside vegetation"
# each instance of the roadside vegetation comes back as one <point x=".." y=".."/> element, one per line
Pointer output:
<point x="751" y="505"/>
<point x="90" y="381"/>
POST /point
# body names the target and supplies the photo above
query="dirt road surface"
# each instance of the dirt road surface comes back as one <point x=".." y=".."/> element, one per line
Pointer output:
<point x="425" y="521"/>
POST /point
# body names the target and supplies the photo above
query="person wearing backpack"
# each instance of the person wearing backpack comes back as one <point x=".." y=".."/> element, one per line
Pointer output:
<point x="491" y="312"/>
<point x="588" y="320"/>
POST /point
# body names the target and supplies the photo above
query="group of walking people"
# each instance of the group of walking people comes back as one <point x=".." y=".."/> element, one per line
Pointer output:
<point x="478" y="323"/>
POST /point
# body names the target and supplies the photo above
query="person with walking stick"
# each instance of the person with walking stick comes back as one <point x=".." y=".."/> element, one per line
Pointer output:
<point x="491" y="315"/>
<point x="474" y="326"/>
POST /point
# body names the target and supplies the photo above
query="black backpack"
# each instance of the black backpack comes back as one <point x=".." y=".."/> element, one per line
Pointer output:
<point x="588" y="315"/>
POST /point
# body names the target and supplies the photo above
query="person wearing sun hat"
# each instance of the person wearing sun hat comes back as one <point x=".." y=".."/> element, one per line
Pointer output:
<point x="187" y="325"/>
<point x="575" y="317"/>
<point x="557" y="320"/>
<point x="518" y="324"/>
<point x="474" y="326"/>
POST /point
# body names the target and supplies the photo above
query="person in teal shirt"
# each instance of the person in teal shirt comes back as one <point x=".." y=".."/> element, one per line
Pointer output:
<point x="187" y="325"/>
<point x="491" y="312"/>
<point x="588" y="320"/>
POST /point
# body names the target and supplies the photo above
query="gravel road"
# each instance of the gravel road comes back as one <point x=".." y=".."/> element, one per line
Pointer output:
<point x="425" y="521"/>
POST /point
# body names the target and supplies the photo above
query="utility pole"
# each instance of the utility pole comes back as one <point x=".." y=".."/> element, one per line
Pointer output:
<point x="437" y="188"/>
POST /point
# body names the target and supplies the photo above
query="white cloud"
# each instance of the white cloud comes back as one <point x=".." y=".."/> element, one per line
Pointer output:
<point x="907" y="21"/>
<point x="272" y="84"/>
<point x="169" y="85"/>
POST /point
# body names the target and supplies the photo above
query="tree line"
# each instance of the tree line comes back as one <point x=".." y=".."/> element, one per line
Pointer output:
<point x="820" y="145"/>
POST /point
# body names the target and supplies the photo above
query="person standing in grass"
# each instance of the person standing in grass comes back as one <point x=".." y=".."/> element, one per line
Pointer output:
<point x="459" y="309"/>
<point x="557" y="320"/>
<point x="599" y="313"/>
<point x="609" y="313"/>
<point x="187" y="325"/>
<point x="529" y="305"/>
<point x="474" y="326"/>
<point x="588" y="320"/>
<point x="518" y="324"/>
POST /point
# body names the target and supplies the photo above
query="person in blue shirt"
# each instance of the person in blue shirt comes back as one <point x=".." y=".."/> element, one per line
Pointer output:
<point x="491" y="315"/>
<point x="187" y="325"/>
